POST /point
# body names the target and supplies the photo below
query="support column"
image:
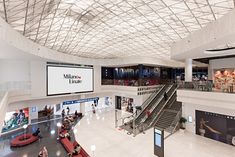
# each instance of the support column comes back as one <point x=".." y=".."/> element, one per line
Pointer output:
<point x="82" y="106"/>
<point x="188" y="70"/>
<point x="210" y="72"/>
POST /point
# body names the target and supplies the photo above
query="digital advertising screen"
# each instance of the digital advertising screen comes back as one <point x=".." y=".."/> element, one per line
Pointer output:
<point x="67" y="80"/>
<point x="158" y="137"/>
<point x="15" y="119"/>
<point x="216" y="126"/>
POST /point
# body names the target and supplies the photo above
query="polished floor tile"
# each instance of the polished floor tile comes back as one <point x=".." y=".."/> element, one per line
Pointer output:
<point x="49" y="139"/>
<point x="99" y="130"/>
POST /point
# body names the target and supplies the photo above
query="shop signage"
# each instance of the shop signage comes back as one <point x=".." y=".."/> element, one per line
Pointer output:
<point x="80" y="101"/>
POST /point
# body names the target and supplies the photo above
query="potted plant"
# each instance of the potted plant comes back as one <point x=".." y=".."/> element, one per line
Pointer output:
<point x="182" y="122"/>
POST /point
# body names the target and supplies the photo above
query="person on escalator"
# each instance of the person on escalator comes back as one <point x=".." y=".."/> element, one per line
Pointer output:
<point x="165" y="96"/>
<point x="148" y="113"/>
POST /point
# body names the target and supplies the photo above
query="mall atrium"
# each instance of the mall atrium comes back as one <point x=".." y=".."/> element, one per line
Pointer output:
<point x="129" y="78"/>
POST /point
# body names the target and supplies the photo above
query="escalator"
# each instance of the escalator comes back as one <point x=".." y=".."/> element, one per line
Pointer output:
<point x="156" y="107"/>
<point x="155" y="104"/>
<point x="152" y="101"/>
<point x="155" y="112"/>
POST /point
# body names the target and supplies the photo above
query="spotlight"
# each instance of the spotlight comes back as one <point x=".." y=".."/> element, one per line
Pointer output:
<point x="52" y="132"/>
<point x="58" y="124"/>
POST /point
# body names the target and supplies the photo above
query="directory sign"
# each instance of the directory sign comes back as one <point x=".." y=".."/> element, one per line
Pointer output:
<point x="159" y="142"/>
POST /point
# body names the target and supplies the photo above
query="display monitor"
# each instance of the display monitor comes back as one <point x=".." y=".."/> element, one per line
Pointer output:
<point x="69" y="79"/>
<point x="158" y="137"/>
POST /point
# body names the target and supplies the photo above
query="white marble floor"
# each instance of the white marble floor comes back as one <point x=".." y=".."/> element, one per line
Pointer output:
<point x="99" y="130"/>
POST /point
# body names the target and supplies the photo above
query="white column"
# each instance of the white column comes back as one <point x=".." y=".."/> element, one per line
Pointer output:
<point x="188" y="70"/>
<point x="210" y="72"/>
<point x="82" y="105"/>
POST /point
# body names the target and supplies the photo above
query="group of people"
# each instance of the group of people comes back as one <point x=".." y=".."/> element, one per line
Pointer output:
<point x="76" y="150"/>
<point x="63" y="112"/>
<point x="67" y="122"/>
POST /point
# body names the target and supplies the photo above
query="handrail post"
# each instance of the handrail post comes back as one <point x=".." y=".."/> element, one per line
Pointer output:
<point x="133" y="125"/>
<point x="116" y="120"/>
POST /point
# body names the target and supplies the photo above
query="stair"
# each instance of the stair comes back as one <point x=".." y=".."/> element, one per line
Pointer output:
<point x="166" y="119"/>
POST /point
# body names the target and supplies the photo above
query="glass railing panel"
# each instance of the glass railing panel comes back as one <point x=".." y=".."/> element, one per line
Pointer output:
<point x="208" y="86"/>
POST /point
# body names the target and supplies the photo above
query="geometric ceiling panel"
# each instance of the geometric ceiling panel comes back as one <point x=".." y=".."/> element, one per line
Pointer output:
<point x="111" y="28"/>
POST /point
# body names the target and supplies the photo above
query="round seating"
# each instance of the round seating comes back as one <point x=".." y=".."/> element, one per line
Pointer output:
<point x="23" y="140"/>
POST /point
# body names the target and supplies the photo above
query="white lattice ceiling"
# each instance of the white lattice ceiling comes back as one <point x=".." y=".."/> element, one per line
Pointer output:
<point x="111" y="28"/>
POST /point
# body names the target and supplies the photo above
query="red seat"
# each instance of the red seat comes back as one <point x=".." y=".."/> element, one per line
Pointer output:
<point x="69" y="146"/>
<point x="82" y="152"/>
<point x="23" y="140"/>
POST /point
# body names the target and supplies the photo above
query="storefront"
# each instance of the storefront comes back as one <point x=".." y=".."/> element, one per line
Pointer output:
<point x="124" y="104"/>
<point x="224" y="80"/>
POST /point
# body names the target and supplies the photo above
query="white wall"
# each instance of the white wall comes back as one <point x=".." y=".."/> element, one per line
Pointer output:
<point x="216" y="33"/>
<point x="14" y="70"/>
<point x="222" y="63"/>
<point x="38" y="78"/>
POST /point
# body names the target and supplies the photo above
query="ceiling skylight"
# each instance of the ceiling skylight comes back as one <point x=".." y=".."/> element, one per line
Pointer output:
<point x="111" y="28"/>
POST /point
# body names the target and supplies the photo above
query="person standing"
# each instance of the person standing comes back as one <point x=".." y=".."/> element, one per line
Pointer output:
<point x="63" y="113"/>
<point x="43" y="152"/>
<point x="165" y="96"/>
<point x="68" y="110"/>
<point x="93" y="108"/>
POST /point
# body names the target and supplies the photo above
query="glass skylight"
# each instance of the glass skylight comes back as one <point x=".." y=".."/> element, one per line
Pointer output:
<point x="111" y="28"/>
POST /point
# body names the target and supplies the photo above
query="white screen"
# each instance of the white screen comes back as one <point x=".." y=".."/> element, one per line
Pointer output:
<point x="63" y="80"/>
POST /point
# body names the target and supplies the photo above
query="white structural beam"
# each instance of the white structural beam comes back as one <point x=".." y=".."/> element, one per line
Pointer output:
<point x="219" y="32"/>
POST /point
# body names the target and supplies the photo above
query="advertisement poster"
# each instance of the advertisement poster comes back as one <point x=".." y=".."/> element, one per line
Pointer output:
<point x="66" y="80"/>
<point x="15" y="119"/>
<point x="216" y="126"/>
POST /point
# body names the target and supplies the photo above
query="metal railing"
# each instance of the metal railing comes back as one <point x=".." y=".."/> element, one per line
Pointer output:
<point x="175" y="124"/>
<point x="208" y="86"/>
